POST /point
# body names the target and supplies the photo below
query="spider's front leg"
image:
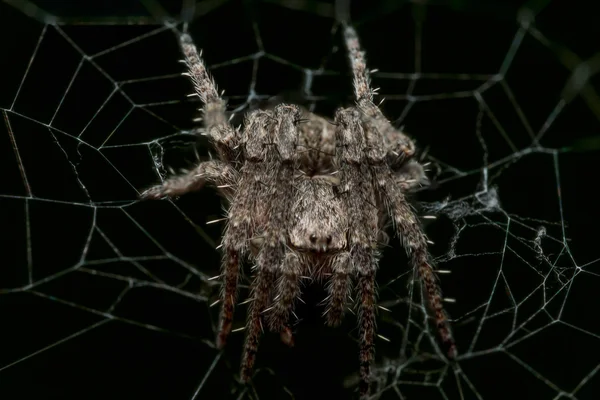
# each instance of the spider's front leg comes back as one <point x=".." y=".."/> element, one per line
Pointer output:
<point x="224" y="138"/>
<point x="279" y="149"/>
<point x="247" y="213"/>
<point x="217" y="173"/>
<point x="379" y="134"/>
<point x="359" y="195"/>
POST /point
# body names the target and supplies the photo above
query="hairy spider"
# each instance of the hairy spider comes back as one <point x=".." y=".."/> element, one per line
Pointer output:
<point x="309" y="198"/>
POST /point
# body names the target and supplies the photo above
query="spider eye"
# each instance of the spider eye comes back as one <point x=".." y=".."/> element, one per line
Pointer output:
<point x="328" y="239"/>
<point x="313" y="238"/>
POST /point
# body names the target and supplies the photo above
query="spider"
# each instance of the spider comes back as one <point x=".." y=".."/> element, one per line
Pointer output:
<point x="307" y="197"/>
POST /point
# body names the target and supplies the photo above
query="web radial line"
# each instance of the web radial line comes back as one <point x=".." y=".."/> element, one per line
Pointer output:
<point x="33" y="11"/>
<point x="555" y="112"/>
<point x="419" y="18"/>
<point x="13" y="142"/>
<point x="435" y="76"/>
<point x="487" y="307"/>
<point x="90" y="235"/>
<point x="430" y="97"/>
<point x="129" y="42"/>
<point x="29" y="248"/>
<point x="188" y="8"/>
<point x="484" y="172"/>
<point x="116" y="128"/>
<point x="562" y="220"/>
<point x="506" y="342"/>
<point x="283" y="61"/>
<point x="257" y="37"/>
<point x="108" y="98"/>
<point x="66" y="92"/>
<point x="459" y="371"/>
<point x="534" y="372"/>
<point x="95" y="65"/>
<point x="252" y="89"/>
<point x="512" y="51"/>
<point x="31" y="59"/>
<point x="409" y="105"/>
<point x="207" y="374"/>
<point x="136" y="264"/>
<point x="586" y="379"/>
<point x="495" y="121"/>
<point x="518" y="109"/>
<point x="560" y="205"/>
<point x="55" y="344"/>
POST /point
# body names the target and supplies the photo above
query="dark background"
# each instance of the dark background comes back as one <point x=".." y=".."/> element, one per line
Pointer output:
<point x="103" y="296"/>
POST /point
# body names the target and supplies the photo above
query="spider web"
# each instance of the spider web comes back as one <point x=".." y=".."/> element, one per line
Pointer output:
<point x="106" y="296"/>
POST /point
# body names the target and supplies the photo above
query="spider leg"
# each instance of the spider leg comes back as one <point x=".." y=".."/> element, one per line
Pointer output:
<point x="222" y="134"/>
<point x="230" y="272"/>
<point x="410" y="176"/>
<point x="287" y="290"/>
<point x="365" y="264"/>
<point x="381" y="139"/>
<point x="214" y="172"/>
<point x="396" y="145"/>
<point x="277" y="146"/>
<point x="338" y="288"/>
<point x="261" y="295"/>
<point x="362" y="81"/>
<point x="414" y="242"/>
<point x="359" y="195"/>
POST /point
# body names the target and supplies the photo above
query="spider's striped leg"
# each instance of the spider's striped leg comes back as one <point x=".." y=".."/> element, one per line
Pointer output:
<point x="359" y="194"/>
<point x="362" y="81"/>
<point x="286" y="291"/>
<point x="396" y="146"/>
<point x="385" y="146"/>
<point x="414" y="242"/>
<point x="230" y="273"/>
<point x="339" y="288"/>
<point x="261" y="294"/>
<point x="224" y="137"/>
<point x="365" y="263"/>
<point x="281" y="138"/>
<point x="214" y="172"/>
<point x="285" y="141"/>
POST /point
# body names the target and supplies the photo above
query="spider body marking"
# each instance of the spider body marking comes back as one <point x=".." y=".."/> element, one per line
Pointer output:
<point x="309" y="198"/>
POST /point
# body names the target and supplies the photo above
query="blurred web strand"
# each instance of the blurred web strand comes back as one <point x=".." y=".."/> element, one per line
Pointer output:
<point x="415" y="332"/>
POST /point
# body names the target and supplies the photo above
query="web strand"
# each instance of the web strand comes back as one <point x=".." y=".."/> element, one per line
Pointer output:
<point x="86" y="263"/>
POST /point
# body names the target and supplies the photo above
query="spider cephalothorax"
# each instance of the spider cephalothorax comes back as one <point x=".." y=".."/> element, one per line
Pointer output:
<point x="307" y="197"/>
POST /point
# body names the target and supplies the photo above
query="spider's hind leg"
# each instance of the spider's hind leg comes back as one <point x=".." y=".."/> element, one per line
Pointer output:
<point x="261" y="294"/>
<point x="365" y="262"/>
<point x="338" y="288"/>
<point x="230" y="272"/>
<point x="414" y="241"/>
<point x="287" y="290"/>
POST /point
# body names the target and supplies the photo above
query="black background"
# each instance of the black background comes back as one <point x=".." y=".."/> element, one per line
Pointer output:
<point x="86" y="163"/>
